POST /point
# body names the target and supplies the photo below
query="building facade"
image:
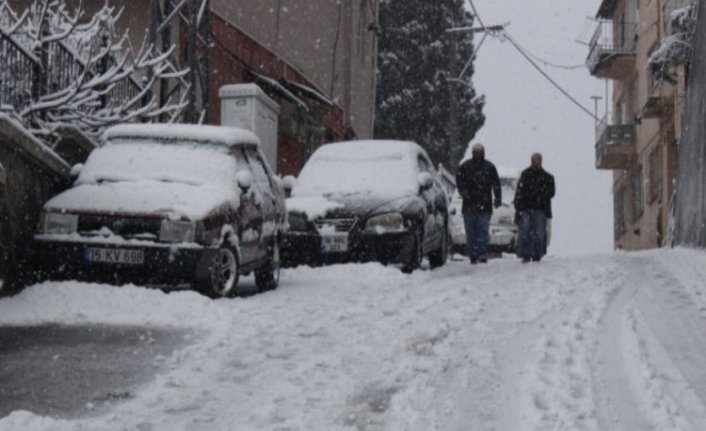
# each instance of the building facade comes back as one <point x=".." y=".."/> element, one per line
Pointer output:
<point x="638" y="137"/>
<point x="315" y="58"/>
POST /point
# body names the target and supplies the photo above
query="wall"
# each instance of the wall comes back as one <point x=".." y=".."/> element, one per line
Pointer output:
<point x="33" y="175"/>
<point x="691" y="191"/>
<point x="331" y="42"/>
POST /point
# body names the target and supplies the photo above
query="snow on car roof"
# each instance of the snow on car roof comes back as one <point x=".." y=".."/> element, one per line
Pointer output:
<point x="360" y="167"/>
<point x="228" y="136"/>
<point x="366" y="150"/>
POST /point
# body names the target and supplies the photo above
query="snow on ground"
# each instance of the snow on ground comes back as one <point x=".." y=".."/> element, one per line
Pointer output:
<point x="611" y="342"/>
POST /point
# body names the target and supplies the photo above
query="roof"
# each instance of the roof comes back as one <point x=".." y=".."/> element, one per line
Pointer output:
<point x="229" y="136"/>
<point x="605" y="10"/>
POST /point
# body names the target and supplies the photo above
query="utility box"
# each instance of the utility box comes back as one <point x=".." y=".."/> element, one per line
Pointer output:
<point x="248" y="107"/>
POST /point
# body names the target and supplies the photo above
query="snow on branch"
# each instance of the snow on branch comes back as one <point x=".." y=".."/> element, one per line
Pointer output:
<point x="61" y="67"/>
<point x="676" y="49"/>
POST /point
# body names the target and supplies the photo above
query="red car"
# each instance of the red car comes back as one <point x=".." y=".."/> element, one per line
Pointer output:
<point x="168" y="204"/>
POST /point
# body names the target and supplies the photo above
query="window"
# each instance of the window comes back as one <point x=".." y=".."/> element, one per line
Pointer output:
<point x="637" y="204"/>
<point x="262" y="178"/>
<point x="424" y="165"/>
<point x="636" y="97"/>
<point x="619" y="208"/>
<point x="655" y="174"/>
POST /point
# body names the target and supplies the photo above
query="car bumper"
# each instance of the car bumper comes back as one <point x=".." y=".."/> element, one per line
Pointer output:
<point x="502" y="236"/>
<point x="162" y="264"/>
<point x="306" y="249"/>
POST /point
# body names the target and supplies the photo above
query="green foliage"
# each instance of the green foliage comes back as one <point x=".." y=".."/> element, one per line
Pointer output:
<point x="413" y="91"/>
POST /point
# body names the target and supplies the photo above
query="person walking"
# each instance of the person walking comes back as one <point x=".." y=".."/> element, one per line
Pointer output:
<point x="533" y="203"/>
<point x="477" y="181"/>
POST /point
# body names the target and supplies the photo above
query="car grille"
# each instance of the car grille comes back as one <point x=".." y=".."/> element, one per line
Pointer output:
<point x="335" y="224"/>
<point x="127" y="227"/>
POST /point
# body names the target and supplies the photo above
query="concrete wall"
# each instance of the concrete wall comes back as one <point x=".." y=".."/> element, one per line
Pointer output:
<point x="329" y="41"/>
<point x="32" y="175"/>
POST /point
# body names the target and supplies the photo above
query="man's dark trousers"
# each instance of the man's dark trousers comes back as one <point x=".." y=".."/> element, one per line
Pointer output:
<point x="477" y="224"/>
<point x="533" y="233"/>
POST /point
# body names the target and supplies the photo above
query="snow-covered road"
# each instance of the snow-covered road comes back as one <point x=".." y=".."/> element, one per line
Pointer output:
<point x="611" y="342"/>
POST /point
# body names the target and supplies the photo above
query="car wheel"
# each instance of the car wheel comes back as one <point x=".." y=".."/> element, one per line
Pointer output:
<point x="224" y="274"/>
<point x="267" y="276"/>
<point x="438" y="258"/>
<point x="415" y="254"/>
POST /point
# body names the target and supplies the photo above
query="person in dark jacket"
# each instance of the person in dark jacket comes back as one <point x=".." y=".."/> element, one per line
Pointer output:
<point x="533" y="203"/>
<point x="477" y="181"/>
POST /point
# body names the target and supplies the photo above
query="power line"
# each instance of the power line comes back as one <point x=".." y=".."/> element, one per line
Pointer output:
<point x="503" y="34"/>
<point x="549" y="78"/>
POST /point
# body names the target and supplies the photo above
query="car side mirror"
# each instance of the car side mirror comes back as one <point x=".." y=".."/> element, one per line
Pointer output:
<point x="288" y="183"/>
<point x="425" y="180"/>
<point x="245" y="180"/>
<point x="76" y="171"/>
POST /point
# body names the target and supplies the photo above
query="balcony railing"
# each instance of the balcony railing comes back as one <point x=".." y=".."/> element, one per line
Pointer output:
<point x="615" y="145"/>
<point x="612" y="50"/>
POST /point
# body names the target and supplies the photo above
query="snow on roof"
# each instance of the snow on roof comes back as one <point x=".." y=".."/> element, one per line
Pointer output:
<point x="228" y="136"/>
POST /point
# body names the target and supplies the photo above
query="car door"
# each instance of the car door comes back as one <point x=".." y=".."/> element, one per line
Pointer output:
<point x="267" y="190"/>
<point x="431" y="225"/>
<point x="249" y="217"/>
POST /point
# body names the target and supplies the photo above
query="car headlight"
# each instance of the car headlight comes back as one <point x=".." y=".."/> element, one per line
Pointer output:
<point x="58" y="223"/>
<point x="177" y="231"/>
<point x="385" y="223"/>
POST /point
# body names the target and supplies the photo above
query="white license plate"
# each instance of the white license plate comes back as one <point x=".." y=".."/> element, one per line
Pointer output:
<point x="115" y="255"/>
<point x="334" y="243"/>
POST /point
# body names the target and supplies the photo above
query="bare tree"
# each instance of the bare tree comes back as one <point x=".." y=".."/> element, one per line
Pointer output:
<point x="65" y="69"/>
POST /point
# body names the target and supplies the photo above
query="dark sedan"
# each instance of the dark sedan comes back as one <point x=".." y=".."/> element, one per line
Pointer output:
<point x="367" y="201"/>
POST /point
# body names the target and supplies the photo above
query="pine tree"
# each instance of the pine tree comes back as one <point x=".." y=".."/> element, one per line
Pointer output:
<point x="415" y="79"/>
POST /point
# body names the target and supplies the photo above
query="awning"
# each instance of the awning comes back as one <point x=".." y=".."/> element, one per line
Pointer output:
<point x="278" y="88"/>
<point x="309" y="92"/>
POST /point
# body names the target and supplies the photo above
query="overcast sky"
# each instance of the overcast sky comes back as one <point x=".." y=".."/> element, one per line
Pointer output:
<point x="526" y="114"/>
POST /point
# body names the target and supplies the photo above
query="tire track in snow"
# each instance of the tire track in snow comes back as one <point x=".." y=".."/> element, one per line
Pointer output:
<point x="649" y="372"/>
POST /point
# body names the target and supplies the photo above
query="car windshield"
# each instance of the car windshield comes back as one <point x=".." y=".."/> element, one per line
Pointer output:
<point x="352" y="170"/>
<point x="193" y="163"/>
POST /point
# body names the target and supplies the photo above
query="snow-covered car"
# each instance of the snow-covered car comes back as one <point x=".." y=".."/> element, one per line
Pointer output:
<point x="168" y="204"/>
<point x="367" y="201"/>
<point x="503" y="230"/>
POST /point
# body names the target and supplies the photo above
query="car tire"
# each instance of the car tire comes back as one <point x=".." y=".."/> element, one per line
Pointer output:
<point x="415" y="254"/>
<point x="267" y="276"/>
<point x="224" y="274"/>
<point x="439" y="257"/>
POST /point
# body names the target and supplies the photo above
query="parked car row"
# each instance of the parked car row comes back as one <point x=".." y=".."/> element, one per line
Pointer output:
<point x="200" y="206"/>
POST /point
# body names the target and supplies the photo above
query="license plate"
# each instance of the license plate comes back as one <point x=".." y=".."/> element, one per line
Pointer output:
<point x="115" y="255"/>
<point x="334" y="243"/>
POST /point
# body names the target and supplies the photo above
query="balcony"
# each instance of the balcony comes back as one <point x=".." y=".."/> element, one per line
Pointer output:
<point x="615" y="146"/>
<point x="660" y="103"/>
<point x="612" y="50"/>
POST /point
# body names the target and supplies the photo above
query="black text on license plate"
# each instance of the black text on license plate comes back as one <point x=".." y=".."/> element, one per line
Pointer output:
<point x="115" y="255"/>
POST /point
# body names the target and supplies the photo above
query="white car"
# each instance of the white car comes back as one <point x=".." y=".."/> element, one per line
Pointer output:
<point x="503" y="230"/>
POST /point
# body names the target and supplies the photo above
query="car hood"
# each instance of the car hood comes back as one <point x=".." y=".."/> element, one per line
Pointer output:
<point x="174" y="200"/>
<point x="352" y="204"/>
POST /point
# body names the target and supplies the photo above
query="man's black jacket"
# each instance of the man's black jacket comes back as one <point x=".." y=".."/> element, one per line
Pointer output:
<point x="535" y="190"/>
<point x="476" y="180"/>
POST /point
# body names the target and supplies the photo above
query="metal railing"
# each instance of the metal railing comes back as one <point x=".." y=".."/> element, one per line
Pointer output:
<point x="611" y="38"/>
